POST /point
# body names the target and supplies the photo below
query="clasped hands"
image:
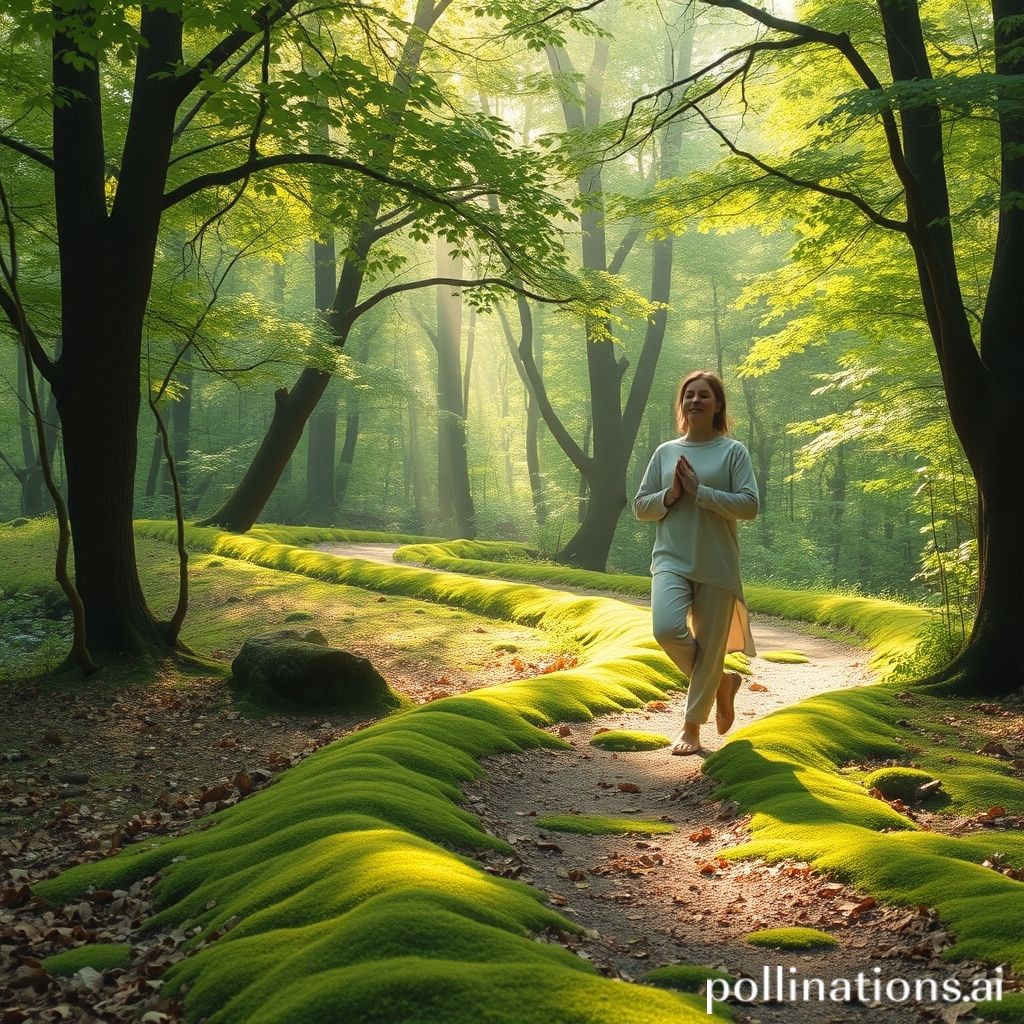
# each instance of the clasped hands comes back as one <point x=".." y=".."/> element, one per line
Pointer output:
<point x="684" y="480"/>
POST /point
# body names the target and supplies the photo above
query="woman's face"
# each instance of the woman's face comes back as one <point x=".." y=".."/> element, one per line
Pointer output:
<point x="700" y="403"/>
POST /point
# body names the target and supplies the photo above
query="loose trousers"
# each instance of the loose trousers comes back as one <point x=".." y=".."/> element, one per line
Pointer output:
<point x="691" y="623"/>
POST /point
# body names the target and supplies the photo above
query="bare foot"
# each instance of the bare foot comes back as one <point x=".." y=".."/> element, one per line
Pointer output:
<point x="725" y="700"/>
<point x="687" y="742"/>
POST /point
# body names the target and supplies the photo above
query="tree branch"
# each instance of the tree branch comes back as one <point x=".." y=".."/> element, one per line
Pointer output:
<point x="812" y="186"/>
<point x="262" y="20"/>
<point x="26" y="150"/>
<point x="481" y="282"/>
<point x="565" y="440"/>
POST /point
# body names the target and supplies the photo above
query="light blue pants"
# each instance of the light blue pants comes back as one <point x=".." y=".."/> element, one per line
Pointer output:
<point x="691" y="623"/>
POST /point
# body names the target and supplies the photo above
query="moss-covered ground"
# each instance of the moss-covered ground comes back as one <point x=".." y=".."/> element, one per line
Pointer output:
<point x="603" y="824"/>
<point x="791" y="938"/>
<point x="344" y="885"/>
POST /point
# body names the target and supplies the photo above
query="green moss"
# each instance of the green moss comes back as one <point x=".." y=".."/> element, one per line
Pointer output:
<point x="99" y="956"/>
<point x="299" y="617"/>
<point x="791" y="938"/>
<point x="685" y="977"/>
<point x="603" y="824"/>
<point x="785" y="657"/>
<point x="897" y="782"/>
<point x="329" y="874"/>
<point x="1009" y="1009"/>
<point x="625" y="739"/>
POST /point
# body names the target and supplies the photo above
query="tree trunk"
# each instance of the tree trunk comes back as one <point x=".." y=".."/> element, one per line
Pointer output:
<point x="321" y="501"/>
<point x="293" y="409"/>
<point x="614" y="428"/>
<point x="454" y="495"/>
<point x="106" y="268"/>
<point x="589" y="546"/>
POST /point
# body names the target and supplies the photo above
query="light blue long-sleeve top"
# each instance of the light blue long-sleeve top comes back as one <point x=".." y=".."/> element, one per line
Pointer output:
<point x="696" y="536"/>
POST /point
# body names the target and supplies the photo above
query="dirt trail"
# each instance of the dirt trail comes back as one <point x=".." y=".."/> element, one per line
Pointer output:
<point x="667" y="899"/>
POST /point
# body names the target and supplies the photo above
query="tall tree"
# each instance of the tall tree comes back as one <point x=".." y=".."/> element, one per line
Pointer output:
<point x="615" y="426"/>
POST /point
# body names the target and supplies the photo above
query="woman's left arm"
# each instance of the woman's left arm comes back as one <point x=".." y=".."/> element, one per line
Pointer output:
<point x="740" y="502"/>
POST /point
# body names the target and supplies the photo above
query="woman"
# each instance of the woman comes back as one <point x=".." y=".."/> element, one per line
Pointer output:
<point x="695" y="489"/>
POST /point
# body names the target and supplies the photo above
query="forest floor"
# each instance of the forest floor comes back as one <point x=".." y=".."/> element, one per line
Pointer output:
<point x="80" y="776"/>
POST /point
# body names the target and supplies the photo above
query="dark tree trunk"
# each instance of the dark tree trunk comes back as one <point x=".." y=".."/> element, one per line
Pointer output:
<point x="348" y="448"/>
<point x="983" y="389"/>
<point x="106" y="265"/>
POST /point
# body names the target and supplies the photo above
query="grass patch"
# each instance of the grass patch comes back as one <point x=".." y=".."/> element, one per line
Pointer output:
<point x="98" y="955"/>
<point x="626" y="739"/>
<point x="785" y="657"/>
<point x="603" y="824"/>
<point x="685" y="977"/>
<point x="1009" y="1009"/>
<point x="791" y="938"/>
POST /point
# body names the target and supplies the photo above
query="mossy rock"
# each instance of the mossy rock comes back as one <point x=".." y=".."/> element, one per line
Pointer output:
<point x="603" y="824"/>
<point x="785" y="657"/>
<point x="625" y="739"/>
<point x="685" y="977"/>
<point x="100" y="956"/>
<point x="299" y="617"/>
<point x="898" y="783"/>
<point x="791" y="938"/>
<point x="300" y="668"/>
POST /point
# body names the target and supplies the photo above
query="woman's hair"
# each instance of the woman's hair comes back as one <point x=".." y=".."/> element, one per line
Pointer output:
<point x="721" y="420"/>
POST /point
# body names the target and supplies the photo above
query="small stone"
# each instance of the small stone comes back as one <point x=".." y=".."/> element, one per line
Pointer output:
<point x="75" y="778"/>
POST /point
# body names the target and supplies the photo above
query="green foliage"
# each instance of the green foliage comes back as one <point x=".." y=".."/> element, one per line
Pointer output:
<point x="791" y="938"/>
<point x="603" y="824"/>
<point x="97" y="955"/>
<point x="627" y="739"/>
<point x="897" y="783"/>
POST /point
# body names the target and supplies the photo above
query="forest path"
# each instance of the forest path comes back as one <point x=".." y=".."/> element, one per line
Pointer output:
<point x="666" y="899"/>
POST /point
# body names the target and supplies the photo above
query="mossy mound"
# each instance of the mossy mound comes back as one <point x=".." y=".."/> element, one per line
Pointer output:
<point x="100" y="956"/>
<point x="898" y="783"/>
<point x="791" y="938"/>
<point x="785" y="657"/>
<point x="626" y="739"/>
<point x="340" y="884"/>
<point x="685" y="977"/>
<point x="300" y="668"/>
<point x="299" y="617"/>
<point x="603" y="824"/>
